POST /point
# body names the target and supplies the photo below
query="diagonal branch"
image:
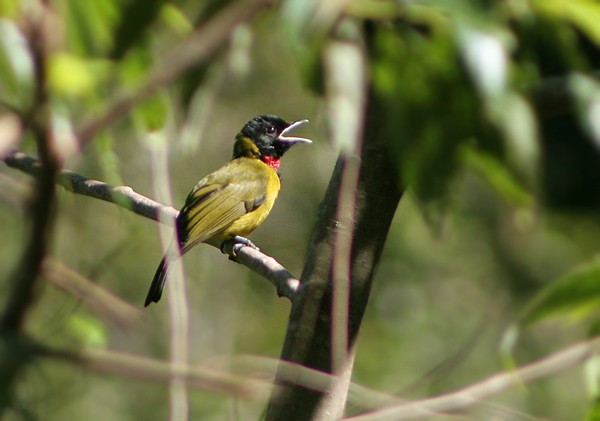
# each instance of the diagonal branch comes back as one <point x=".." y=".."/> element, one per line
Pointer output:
<point x="123" y="196"/>
<point x="101" y="301"/>
<point x="477" y="392"/>
<point x="287" y="285"/>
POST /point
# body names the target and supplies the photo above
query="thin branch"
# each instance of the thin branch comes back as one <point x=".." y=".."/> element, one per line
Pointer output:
<point x="144" y="368"/>
<point x="251" y="376"/>
<point x="123" y="196"/>
<point x="103" y="302"/>
<point x="474" y="394"/>
<point x="178" y="307"/>
<point x="246" y="376"/>
<point x="197" y="49"/>
<point x="286" y="284"/>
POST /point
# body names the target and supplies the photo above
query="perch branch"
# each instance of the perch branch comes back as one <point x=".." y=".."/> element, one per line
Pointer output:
<point x="287" y="285"/>
<point x="75" y="183"/>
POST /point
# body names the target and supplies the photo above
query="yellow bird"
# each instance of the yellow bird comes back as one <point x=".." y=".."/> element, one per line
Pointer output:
<point x="231" y="202"/>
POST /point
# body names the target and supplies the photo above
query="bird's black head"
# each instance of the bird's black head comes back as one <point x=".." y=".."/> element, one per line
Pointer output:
<point x="265" y="136"/>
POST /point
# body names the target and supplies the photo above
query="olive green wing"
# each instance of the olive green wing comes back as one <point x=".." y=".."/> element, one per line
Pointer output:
<point x="212" y="207"/>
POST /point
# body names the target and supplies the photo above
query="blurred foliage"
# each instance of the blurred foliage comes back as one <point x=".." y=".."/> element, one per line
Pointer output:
<point x="510" y="180"/>
<point x="574" y="295"/>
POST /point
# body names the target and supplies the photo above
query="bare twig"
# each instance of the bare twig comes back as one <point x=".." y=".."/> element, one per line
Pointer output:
<point x="287" y="285"/>
<point x="103" y="302"/>
<point x="123" y="196"/>
<point x="247" y="375"/>
<point x="474" y="394"/>
<point x="196" y="49"/>
<point x="144" y="368"/>
<point x="251" y="376"/>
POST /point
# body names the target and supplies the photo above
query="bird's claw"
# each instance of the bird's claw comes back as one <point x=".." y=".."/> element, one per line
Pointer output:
<point x="237" y="243"/>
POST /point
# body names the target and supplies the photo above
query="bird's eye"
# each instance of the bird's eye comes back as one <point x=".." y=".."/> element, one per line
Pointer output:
<point x="271" y="130"/>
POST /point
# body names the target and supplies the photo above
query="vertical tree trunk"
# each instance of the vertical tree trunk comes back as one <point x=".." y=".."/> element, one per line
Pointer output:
<point x="308" y="339"/>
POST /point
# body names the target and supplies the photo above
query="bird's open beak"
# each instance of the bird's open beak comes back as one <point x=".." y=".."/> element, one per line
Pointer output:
<point x="283" y="138"/>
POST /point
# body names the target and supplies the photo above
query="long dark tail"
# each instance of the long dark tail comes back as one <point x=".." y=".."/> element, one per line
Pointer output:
<point x="158" y="283"/>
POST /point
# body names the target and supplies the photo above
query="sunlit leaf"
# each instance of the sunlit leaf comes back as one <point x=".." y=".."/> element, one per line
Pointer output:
<point x="87" y="330"/>
<point x="91" y="25"/>
<point x="587" y="93"/>
<point x="593" y="413"/>
<point x="152" y="113"/>
<point x="135" y="66"/>
<point x="516" y="121"/>
<point x="69" y="75"/>
<point x="497" y="175"/>
<point x="573" y="296"/>
<point x="430" y="106"/>
<point x="176" y="19"/>
<point x="486" y="57"/>
<point x="16" y="67"/>
<point x="585" y="14"/>
<point x="592" y="377"/>
<point x="9" y="8"/>
<point x="373" y="9"/>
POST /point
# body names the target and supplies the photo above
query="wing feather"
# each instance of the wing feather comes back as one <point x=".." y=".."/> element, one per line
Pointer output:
<point x="218" y="200"/>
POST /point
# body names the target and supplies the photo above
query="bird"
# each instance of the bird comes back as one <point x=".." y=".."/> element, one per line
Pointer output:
<point x="229" y="203"/>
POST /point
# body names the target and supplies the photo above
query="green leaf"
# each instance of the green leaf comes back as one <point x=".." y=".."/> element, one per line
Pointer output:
<point x="515" y="119"/>
<point x="497" y="175"/>
<point x="485" y="55"/>
<point x="587" y="94"/>
<point x="152" y="113"/>
<point x="573" y="296"/>
<point x="70" y="75"/>
<point x="90" y="25"/>
<point x="585" y="14"/>
<point x="593" y="413"/>
<point x="16" y="67"/>
<point x="10" y="8"/>
<point x="176" y="19"/>
<point x="137" y="17"/>
<point x="87" y="330"/>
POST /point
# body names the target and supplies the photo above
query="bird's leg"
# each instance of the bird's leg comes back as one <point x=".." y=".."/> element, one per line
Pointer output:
<point x="236" y="244"/>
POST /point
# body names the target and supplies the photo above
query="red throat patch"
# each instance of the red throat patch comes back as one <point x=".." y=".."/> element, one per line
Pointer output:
<point x="271" y="161"/>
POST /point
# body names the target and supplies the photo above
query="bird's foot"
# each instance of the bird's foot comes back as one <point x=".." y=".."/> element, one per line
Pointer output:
<point x="236" y="243"/>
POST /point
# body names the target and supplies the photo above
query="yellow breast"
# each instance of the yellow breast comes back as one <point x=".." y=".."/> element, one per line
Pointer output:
<point x="264" y="185"/>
